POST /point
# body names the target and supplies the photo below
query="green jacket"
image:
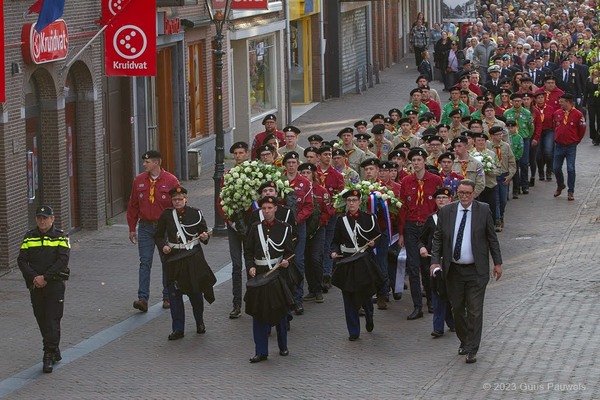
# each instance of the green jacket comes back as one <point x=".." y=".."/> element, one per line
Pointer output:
<point x="524" y="121"/>
<point x="516" y="144"/>
<point x="448" y="107"/>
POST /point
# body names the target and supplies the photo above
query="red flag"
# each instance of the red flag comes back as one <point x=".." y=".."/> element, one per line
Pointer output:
<point x="36" y="7"/>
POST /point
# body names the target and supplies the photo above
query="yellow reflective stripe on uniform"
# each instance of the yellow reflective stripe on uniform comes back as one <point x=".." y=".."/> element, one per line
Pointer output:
<point x="45" y="241"/>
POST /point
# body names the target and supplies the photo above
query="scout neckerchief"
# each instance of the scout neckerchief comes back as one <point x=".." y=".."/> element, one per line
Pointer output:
<point x="566" y="118"/>
<point x="464" y="165"/>
<point x="420" y="191"/>
<point x="498" y="152"/>
<point x="152" y="185"/>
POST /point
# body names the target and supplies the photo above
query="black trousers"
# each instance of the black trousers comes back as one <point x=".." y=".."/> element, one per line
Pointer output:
<point x="489" y="196"/>
<point x="48" y="305"/>
<point x="466" y="291"/>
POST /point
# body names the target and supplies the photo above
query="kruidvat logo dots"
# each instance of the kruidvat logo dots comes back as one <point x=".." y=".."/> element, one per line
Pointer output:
<point x="116" y="6"/>
<point x="130" y="42"/>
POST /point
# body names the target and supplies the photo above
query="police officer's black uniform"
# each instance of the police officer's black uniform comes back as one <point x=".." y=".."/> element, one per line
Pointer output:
<point x="46" y="254"/>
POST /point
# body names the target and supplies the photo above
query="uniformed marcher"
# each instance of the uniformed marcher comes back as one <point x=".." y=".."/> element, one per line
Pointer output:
<point x="354" y="155"/>
<point x="356" y="273"/>
<point x="43" y="261"/>
<point x="269" y="245"/>
<point x="466" y="165"/>
<point x="179" y="232"/>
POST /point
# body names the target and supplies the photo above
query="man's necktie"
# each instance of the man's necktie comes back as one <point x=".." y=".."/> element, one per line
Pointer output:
<point x="459" y="236"/>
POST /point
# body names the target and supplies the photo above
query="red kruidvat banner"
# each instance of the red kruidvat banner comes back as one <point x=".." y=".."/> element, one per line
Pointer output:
<point x="249" y="5"/>
<point x="2" y="65"/>
<point x="130" y="37"/>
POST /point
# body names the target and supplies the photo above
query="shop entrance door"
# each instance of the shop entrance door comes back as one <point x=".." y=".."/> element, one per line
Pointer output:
<point x="301" y="68"/>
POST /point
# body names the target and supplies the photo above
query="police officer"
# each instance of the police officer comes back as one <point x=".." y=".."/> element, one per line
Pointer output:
<point x="43" y="261"/>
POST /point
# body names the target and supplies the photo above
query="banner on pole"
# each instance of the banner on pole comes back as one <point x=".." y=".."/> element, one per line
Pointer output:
<point x="130" y="37"/>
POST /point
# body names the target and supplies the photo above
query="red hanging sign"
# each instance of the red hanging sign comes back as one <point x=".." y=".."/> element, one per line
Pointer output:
<point x="130" y="37"/>
<point x="49" y="44"/>
<point x="249" y="5"/>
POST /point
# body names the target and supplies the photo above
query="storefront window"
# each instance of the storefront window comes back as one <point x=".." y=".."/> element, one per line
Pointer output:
<point x="261" y="53"/>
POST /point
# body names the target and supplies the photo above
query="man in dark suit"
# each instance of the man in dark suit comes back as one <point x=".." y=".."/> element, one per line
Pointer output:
<point x="463" y="240"/>
<point x="568" y="79"/>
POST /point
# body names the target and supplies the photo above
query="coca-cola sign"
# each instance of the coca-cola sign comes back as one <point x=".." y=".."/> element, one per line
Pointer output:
<point x="50" y="44"/>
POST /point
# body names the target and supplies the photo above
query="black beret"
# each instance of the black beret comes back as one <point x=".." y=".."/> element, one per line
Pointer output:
<point x="291" y="155"/>
<point x="386" y="165"/>
<point x="568" y="96"/>
<point x="362" y="136"/>
<point x="389" y="120"/>
<point x="481" y="98"/>
<point x="370" y="161"/>
<point x="315" y="138"/>
<point x="265" y="147"/>
<point x="480" y="135"/>
<point x="268" y="199"/>
<point x="266" y="185"/>
<point x="46" y="211"/>
<point x="442" y="126"/>
<point x="429" y="132"/>
<point x="394" y="110"/>
<point x="466" y="118"/>
<point x="416" y="90"/>
<point x="151" y="154"/>
<point x="270" y="136"/>
<point x="411" y="112"/>
<point x="454" y="89"/>
<point x="442" y="192"/>
<point x="394" y="165"/>
<point x="345" y="130"/>
<point x="505" y="91"/>
<point x="338" y="152"/>
<point x="495" y="129"/>
<point x="549" y="77"/>
<point x="402" y="145"/>
<point x="238" y="145"/>
<point x="269" y="117"/>
<point x="310" y="149"/>
<point x="516" y="96"/>
<point x="488" y="105"/>
<point x="454" y="112"/>
<point x="307" y="166"/>
<point x="178" y="190"/>
<point x="511" y="122"/>
<point x="353" y="192"/>
<point x="360" y="123"/>
<point x="459" y="139"/>
<point x="291" y="128"/>
<point x="396" y="153"/>
<point x="377" y="116"/>
<point x="525" y="78"/>
<point x="528" y="95"/>
<point x="444" y="156"/>
<point x="416" y="151"/>
<point x="323" y="149"/>
<point x="378" y="129"/>
<point x="434" y="138"/>
<point x="404" y="121"/>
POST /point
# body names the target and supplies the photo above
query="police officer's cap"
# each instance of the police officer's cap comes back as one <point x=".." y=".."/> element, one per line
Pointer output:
<point x="178" y="190"/>
<point x="442" y="192"/>
<point x="345" y="130"/>
<point x="362" y="136"/>
<point x="496" y="129"/>
<point x="394" y="110"/>
<point x="460" y="139"/>
<point x="323" y="149"/>
<point x="360" y="123"/>
<point x="402" y="145"/>
<point x="454" y="112"/>
<point x="315" y="138"/>
<point x="378" y="129"/>
<point x="238" y="145"/>
<point x="45" y="211"/>
<point x="351" y="193"/>
<point x="377" y="116"/>
<point x="307" y="166"/>
<point x="417" y="151"/>
<point x="268" y="199"/>
<point x="291" y="128"/>
<point x="494" y="68"/>
<point x="404" y="121"/>
<point x="266" y="184"/>
<point x="269" y="117"/>
<point x="338" y="152"/>
<point x="151" y="155"/>
<point x="416" y="90"/>
<point x="370" y="161"/>
<point x="291" y="155"/>
<point x="396" y="153"/>
<point x="310" y="149"/>
<point x="446" y="156"/>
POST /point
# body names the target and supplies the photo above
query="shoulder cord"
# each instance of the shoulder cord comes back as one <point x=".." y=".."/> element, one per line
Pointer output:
<point x="181" y="227"/>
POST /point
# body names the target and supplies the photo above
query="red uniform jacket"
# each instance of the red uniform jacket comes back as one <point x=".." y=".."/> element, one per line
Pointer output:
<point x="258" y="141"/>
<point x="435" y="108"/>
<point x="323" y="199"/>
<point x="145" y="206"/>
<point x="418" y="202"/>
<point x="304" y="205"/>
<point x="537" y="123"/>
<point x="569" y="127"/>
<point x="552" y="98"/>
<point x="546" y="114"/>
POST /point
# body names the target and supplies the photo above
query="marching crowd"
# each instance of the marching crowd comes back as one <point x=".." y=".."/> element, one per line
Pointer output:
<point x="361" y="211"/>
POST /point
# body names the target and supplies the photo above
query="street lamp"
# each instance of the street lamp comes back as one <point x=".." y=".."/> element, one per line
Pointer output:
<point x="218" y="11"/>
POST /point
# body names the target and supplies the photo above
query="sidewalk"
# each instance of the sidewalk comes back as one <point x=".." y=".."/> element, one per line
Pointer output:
<point x="540" y="324"/>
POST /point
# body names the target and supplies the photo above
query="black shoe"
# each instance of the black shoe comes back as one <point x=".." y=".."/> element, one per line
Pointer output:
<point x="319" y="298"/>
<point x="299" y="310"/>
<point x="370" y="325"/>
<point x="176" y="335"/>
<point x="417" y="313"/>
<point x="541" y="178"/>
<point x="200" y="328"/>
<point x="353" y="338"/>
<point x="525" y="191"/>
<point x="548" y="177"/>
<point x="462" y="351"/>
<point x="471" y="357"/>
<point x="310" y="297"/>
<point x="258" y="358"/>
<point x="515" y="195"/>
<point x="236" y="312"/>
<point x="397" y="296"/>
<point x="284" y="353"/>
<point x="531" y="182"/>
<point x="437" y="334"/>
<point x="57" y="356"/>
<point x="48" y="362"/>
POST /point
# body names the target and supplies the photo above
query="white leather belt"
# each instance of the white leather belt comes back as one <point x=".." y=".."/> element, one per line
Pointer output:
<point x="263" y="262"/>
<point x="181" y="246"/>
<point x="345" y="249"/>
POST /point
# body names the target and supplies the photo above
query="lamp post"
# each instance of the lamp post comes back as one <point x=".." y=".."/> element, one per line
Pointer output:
<point x="218" y="11"/>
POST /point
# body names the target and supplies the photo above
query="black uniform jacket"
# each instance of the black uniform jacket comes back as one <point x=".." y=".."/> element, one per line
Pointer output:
<point x="43" y="254"/>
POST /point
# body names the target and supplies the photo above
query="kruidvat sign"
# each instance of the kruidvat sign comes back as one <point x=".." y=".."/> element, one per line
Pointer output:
<point x="50" y="44"/>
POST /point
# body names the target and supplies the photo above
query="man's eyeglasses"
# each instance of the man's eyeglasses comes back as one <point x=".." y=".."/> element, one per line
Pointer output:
<point x="462" y="193"/>
<point x="352" y="200"/>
